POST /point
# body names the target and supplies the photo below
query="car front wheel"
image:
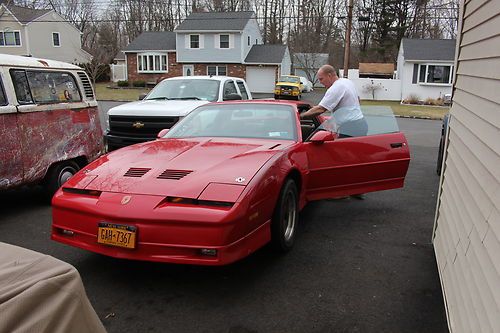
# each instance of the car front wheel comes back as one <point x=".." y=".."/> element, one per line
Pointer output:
<point x="58" y="175"/>
<point x="285" y="218"/>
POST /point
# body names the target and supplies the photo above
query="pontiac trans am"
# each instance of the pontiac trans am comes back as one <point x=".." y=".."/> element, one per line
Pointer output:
<point x="224" y="181"/>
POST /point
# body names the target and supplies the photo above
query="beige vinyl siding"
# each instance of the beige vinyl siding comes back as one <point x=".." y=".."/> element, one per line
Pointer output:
<point x="467" y="230"/>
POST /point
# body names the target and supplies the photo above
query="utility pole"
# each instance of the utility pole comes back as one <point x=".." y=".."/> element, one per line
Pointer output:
<point x="347" y="48"/>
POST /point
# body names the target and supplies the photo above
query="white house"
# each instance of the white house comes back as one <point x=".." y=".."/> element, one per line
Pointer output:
<point x="467" y="228"/>
<point x="209" y="43"/>
<point x="40" y="33"/>
<point x="425" y="67"/>
<point x="307" y="65"/>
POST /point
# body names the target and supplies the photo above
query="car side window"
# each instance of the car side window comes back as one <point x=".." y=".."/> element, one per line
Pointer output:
<point x="229" y="88"/>
<point x="3" y="98"/>
<point x="53" y="87"/>
<point x="243" y="90"/>
<point x="21" y="86"/>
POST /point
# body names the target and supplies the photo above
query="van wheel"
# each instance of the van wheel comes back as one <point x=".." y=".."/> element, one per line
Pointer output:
<point x="285" y="218"/>
<point x="58" y="175"/>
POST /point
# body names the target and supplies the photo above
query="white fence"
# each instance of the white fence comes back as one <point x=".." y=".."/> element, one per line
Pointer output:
<point x="118" y="72"/>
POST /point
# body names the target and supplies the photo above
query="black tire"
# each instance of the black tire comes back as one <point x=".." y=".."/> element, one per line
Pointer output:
<point x="285" y="218"/>
<point x="276" y="96"/>
<point x="57" y="175"/>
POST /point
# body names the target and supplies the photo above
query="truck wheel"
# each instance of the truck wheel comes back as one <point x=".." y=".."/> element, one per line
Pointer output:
<point x="276" y="96"/>
<point x="285" y="218"/>
<point x="57" y="175"/>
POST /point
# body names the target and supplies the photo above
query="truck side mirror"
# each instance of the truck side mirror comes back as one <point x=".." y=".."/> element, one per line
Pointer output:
<point x="232" y="97"/>
<point x="142" y="96"/>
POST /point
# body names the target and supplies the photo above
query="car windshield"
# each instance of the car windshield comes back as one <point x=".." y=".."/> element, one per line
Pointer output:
<point x="186" y="89"/>
<point x="289" y="79"/>
<point x="251" y="120"/>
<point x="378" y="120"/>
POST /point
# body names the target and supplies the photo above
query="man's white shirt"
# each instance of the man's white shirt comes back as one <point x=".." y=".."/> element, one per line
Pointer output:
<point x="342" y="100"/>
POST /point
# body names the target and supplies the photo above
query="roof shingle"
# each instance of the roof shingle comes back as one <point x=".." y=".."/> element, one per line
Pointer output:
<point x="153" y="41"/>
<point x="215" y="21"/>
<point x="266" y="54"/>
<point x="26" y="15"/>
<point x="429" y="49"/>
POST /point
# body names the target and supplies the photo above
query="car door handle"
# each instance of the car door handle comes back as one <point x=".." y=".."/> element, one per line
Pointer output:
<point x="397" y="145"/>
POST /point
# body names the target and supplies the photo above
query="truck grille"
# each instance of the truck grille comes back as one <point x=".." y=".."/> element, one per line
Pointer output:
<point x="139" y="126"/>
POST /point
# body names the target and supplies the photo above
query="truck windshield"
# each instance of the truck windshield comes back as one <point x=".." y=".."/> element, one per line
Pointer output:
<point x="185" y="89"/>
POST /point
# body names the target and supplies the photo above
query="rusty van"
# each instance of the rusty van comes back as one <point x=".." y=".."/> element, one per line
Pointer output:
<point x="49" y="122"/>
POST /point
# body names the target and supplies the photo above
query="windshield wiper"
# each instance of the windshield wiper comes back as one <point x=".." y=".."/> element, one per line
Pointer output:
<point x="190" y="97"/>
<point x="158" y="98"/>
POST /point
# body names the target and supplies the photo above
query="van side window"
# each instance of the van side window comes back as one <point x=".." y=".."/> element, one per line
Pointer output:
<point x="243" y="91"/>
<point x="21" y="86"/>
<point x="3" y="99"/>
<point x="53" y="87"/>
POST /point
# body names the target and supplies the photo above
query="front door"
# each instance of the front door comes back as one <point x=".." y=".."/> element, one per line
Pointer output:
<point x="187" y="70"/>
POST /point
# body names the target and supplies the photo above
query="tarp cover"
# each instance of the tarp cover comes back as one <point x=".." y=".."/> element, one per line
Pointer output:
<point x="39" y="293"/>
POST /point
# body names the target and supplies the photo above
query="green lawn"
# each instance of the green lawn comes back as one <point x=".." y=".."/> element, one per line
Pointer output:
<point x="120" y="94"/>
<point x="432" y="112"/>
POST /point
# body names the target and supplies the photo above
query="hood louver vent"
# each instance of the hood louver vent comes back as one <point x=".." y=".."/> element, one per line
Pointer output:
<point x="136" y="172"/>
<point x="174" y="174"/>
<point x="89" y="93"/>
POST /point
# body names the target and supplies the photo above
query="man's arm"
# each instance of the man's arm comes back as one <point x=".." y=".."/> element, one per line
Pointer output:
<point x="314" y="111"/>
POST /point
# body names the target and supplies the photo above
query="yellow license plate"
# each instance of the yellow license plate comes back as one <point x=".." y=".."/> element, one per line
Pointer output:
<point x="116" y="235"/>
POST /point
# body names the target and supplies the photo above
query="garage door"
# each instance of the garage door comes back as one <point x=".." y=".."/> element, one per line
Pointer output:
<point x="261" y="79"/>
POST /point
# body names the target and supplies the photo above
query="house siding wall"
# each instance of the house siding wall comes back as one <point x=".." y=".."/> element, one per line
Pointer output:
<point x="467" y="229"/>
<point x="209" y="51"/>
<point x="252" y="30"/>
<point x="40" y="40"/>
<point x="7" y="22"/>
<point x="423" y="91"/>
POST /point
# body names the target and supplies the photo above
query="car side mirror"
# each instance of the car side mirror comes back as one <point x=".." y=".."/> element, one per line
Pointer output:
<point x="322" y="136"/>
<point x="232" y="97"/>
<point x="142" y="96"/>
<point x="162" y="133"/>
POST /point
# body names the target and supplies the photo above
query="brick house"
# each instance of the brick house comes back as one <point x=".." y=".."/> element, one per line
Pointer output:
<point x="215" y="43"/>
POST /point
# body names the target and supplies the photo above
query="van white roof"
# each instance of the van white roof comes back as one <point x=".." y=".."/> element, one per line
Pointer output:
<point x="20" y="61"/>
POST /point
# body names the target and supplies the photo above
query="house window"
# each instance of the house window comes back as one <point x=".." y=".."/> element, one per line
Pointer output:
<point x="55" y="39"/>
<point x="194" y="41"/>
<point x="216" y="70"/>
<point x="224" y="41"/>
<point x="152" y="63"/>
<point x="248" y="40"/>
<point x="10" y="38"/>
<point x="438" y="74"/>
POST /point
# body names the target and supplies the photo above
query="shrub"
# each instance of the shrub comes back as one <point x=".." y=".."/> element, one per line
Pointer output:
<point x="139" y="83"/>
<point x="412" y="99"/>
<point x="122" y="83"/>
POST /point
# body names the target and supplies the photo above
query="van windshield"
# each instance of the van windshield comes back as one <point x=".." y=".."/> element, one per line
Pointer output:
<point x="185" y="89"/>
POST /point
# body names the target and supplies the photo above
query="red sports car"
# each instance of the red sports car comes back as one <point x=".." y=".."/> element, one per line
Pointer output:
<point x="227" y="179"/>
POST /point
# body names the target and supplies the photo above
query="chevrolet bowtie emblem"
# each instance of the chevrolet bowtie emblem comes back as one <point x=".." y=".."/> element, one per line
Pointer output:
<point x="126" y="199"/>
<point x="138" y="125"/>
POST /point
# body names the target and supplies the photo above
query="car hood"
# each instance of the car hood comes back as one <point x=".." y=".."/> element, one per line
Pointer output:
<point x="156" y="108"/>
<point x="178" y="167"/>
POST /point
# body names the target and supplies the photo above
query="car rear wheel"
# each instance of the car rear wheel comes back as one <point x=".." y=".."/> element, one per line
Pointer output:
<point x="58" y="175"/>
<point x="285" y="218"/>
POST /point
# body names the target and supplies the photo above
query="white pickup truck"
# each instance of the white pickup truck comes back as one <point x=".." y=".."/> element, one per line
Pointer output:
<point x="169" y="101"/>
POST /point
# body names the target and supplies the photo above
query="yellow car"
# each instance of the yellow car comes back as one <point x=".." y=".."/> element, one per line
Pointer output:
<point x="288" y="86"/>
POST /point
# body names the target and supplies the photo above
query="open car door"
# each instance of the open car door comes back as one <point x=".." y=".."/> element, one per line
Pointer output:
<point x="341" y="165"/>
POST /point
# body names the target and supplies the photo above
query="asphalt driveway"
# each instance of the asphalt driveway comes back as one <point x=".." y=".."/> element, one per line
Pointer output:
<point x="358" y="266"/>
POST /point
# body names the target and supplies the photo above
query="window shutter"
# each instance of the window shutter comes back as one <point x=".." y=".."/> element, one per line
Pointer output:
<point x="415" y="74"/>
<point x="187" y="41"/>
<point x="202" y="41"/>
<point x="217" y="41"/>
<point x="231" y="41"/>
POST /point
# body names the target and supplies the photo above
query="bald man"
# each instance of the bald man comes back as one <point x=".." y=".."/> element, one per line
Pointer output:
<point x="341" y="99"/>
